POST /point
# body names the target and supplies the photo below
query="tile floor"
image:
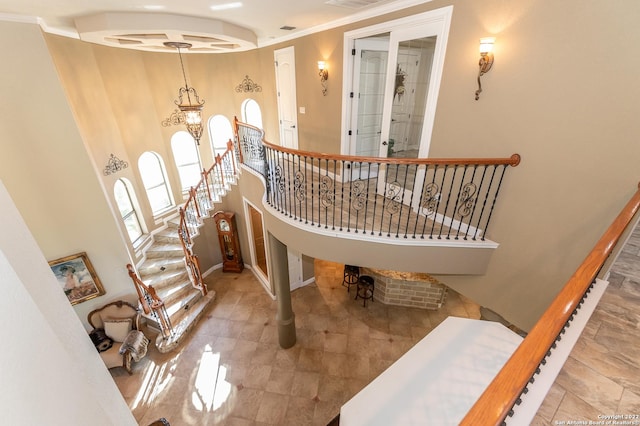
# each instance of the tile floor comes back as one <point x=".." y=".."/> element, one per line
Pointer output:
<point x="231" y="370"/>
<point x="602" y="375"/>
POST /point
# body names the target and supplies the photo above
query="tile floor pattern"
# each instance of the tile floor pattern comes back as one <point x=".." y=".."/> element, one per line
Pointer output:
<point x="602" y="375"/>
<point x="232" y="371"/>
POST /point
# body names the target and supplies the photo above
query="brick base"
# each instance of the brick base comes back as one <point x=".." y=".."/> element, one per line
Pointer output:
<point x="416" y="290"/>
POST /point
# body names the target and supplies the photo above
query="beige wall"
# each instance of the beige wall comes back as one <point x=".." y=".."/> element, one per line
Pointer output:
<point x="563" y="93"/>
<point x="46" y="170"/>
<point x="47" y="357"/>
<point x="51" y="205"/>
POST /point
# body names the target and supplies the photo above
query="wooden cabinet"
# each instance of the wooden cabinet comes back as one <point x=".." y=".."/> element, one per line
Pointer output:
<point x="229" y="243"/>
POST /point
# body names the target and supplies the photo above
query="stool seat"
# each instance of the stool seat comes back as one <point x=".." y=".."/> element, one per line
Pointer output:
<point x="350" y="276"/>
<point x="365" y="289"/>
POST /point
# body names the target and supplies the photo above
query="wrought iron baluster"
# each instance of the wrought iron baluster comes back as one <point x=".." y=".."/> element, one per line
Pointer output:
<point x="269" y="179"/>
<point x="406" y="177"/>
<point x="420" y="201"/>
<point x="358" y="201"/>
<point x="287" y="201"/>
<point x="306" y="201"/>
<point x="283" y="183"/>
<point x="293" y="207"/>
<point x="375" y="201"/>
<point x="438" y="197"/>
<point x="300" y="190"/>
<point x="446" y="206"/>
<point x="475" y="204"/>
<point x="350" y="194"/>
<point x="391" y="197"/>
<point x="366" y="196"/>
<point x="333" y="198"/>
<point x="277" y="178"/>
<point x="484" y="203"/>
<point x="458" y="197"/>
<point x="495" y="197"/>
<point x="313" y="193"/>
<point x="342" y="178"/>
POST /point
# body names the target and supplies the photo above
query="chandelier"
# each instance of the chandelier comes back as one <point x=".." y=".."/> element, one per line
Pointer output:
<point x="188" y="101"/>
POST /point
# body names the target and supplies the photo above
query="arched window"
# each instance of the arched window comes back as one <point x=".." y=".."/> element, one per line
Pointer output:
<point x="251" y="113"/>
<point x="220" y="132"/>
<point x="155" y="182"/>
<point x="187" y="159"/>
<point x="126" y="200"/>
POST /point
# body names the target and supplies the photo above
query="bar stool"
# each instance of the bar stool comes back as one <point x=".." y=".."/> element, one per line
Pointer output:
<point x="351" y="275"/>
<point x="366" y="286"/>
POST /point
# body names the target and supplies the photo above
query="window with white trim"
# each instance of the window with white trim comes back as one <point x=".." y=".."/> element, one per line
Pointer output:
<point x="187" y="159"/>
<point x="220" y="132"/>
<point x="154" y="178"/>
<point x="126" y="200"/>
<point x="251" y="113"/>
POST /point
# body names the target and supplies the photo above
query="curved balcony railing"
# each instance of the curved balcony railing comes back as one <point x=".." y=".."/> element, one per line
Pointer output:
<point x="393" y="198"/>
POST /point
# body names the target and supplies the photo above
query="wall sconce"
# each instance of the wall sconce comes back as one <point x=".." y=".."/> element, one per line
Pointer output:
<point x="486" y="60"/>
<point x="324" y="76"/>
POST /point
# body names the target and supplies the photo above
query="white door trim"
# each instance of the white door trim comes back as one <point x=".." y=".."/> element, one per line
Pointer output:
<point x="440" y="16"/>
<point x="287" y="108"/>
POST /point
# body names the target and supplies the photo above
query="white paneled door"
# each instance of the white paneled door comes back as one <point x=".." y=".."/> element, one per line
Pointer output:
<point x="286" y="87"/>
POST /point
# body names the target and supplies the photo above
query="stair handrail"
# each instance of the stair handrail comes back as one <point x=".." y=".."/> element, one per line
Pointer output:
<point x="200" y="199"/>
<point x="499" y="398"/>
<point x="151" y="303"/>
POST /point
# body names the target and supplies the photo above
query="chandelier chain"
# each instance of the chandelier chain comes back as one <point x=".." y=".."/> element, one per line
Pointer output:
<point x="184" y="75"/>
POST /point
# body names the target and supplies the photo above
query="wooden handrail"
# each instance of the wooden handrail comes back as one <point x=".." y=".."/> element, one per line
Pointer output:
<point x="156" y="308"/>
<point x="184" y="233"/>
<point x="157" y="302"/>
<point x="500" y="396"/>
<point x="513" y="161"/>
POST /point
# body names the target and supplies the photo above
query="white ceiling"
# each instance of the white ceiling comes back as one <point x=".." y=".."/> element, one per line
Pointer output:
<point x="145" y="24"/>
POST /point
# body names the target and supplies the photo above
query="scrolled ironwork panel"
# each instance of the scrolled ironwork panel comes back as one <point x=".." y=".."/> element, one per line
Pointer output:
<point x="394" y="197"/>
<point x="358" y="194"/>
<point x="280" y="179"/>
<point x="467" y="199"/>
<point x="431" y="195"/>
<point x="299" y="185"/>
<point x="327" y="197"/>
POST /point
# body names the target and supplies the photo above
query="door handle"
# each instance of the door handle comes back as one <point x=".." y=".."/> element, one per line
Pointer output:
<point x="293" y="126"/>
<point x="384" y="142"/>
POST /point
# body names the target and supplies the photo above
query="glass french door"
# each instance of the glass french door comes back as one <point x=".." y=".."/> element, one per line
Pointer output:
<point x="406" y="121"/>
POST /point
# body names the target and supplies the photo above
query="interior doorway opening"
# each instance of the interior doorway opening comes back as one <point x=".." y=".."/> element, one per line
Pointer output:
<point x="392" y="77"/>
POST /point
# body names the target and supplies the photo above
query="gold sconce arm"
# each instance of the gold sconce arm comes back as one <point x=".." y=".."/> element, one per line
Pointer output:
<point x="486" y="60"/>
<point x="324" y="76"/>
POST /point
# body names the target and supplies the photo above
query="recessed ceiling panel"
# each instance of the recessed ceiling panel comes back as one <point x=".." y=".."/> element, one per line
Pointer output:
<point x="150" y="31"/>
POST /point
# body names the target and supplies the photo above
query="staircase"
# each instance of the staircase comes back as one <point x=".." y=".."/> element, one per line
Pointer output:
<point x="169" y="281"/>
<point x="165" y="270"/>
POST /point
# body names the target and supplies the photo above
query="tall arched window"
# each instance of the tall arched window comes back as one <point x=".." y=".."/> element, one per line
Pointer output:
<point x="251" y="113"/>
<point x="155" y="182"/>
<point x="187" y="159"/>
<point x="126" y="200"/>
<point x="220" y="132"/>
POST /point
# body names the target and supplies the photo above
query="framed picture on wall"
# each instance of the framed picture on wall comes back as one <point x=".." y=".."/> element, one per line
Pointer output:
<point x="77" y="277"/>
